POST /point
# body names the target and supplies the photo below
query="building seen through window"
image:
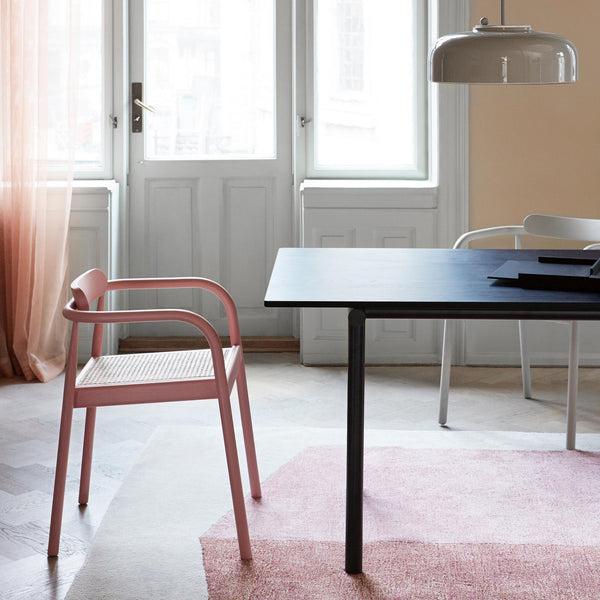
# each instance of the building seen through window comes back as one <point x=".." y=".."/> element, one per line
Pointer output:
<point x="210" y="75"/>
<point x="369" y="88"/>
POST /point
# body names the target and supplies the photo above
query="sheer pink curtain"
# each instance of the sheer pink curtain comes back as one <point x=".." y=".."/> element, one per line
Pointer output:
<point x="34" y="214"/>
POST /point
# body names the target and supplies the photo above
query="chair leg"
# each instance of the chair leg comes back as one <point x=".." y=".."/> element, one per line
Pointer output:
<point x="525" y="366"/>
<point x="449" y="331"/>
<point x="60" y="476"/>
<point x="86" y="459"/>
<point x="572" y="384"/>
<point x="242" y="390"/>
<point x="233" y="467"/>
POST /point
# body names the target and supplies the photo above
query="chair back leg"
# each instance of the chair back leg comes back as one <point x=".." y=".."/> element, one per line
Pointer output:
<point x="242" y="390"/>
<point x="86" y="458"/>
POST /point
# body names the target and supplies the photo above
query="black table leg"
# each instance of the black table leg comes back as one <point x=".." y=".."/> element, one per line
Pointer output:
<point x="355" y="447"/>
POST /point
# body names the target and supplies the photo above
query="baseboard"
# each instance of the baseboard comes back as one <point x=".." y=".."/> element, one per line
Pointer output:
<point x="134" y="345"/>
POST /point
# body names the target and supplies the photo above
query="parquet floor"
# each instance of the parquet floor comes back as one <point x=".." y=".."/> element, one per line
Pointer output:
<point x="283" y="393"/>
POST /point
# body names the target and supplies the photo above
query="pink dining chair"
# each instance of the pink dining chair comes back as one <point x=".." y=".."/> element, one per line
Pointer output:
<point x="111" y="380"/>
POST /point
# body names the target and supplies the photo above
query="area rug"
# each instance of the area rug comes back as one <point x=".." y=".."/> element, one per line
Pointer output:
<point x="459" y="523"/>
<point x="434" y="528"/>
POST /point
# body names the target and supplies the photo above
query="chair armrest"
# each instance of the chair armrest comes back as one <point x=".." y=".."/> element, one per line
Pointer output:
<point x="186" y="282"/>
<point x="157" y="283"/>
<point x="470" y="236"/>
<point x="141" y="316"/>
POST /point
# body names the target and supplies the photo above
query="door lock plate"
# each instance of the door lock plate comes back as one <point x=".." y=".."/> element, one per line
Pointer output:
<point x="137" y="116"/>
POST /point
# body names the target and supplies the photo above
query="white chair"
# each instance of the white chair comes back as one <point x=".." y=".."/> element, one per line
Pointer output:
<point x="548" y="226"/>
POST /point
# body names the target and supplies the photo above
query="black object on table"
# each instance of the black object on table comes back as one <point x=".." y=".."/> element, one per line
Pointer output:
<point x="413" y="283"/>
<point x="552" y="273"/>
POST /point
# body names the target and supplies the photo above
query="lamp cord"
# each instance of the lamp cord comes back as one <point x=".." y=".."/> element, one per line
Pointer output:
<point x="502" y="12"/>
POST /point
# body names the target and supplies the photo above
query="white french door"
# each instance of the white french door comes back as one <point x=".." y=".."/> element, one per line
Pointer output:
<point x="210" y="179"/>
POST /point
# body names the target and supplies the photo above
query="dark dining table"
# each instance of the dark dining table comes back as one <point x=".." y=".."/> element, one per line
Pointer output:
<point x="416" y="283"/>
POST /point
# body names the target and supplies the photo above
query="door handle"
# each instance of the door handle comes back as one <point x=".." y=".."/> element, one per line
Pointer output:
<point x="138" y="107"/>
<point x="139" y="103"/>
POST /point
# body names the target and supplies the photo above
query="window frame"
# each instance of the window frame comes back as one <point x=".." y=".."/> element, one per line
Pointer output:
<point x="422" y="171"/>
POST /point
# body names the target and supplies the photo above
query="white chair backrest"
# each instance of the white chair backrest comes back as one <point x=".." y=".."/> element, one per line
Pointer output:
<point x="568" y="228"/>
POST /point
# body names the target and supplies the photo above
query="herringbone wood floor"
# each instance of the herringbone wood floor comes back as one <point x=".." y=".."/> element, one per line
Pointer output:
<point x="283" y="393"/>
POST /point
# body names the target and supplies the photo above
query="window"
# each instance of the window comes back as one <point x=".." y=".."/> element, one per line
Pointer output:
<point x="369" y="85"/>
<point x="210" y="74"/>
<point x="351" y="45"/>
<point x="93" y="99"/>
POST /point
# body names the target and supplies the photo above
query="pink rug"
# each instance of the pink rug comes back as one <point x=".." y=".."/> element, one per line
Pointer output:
<point x="439" y="524"/>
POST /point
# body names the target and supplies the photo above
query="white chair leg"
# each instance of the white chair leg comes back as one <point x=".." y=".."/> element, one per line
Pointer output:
<point x="573" y="377"/>
<point x="449" y="331"/>
<point x="525" y="366"/>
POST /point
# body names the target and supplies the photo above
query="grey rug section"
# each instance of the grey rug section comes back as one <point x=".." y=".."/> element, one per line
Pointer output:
<point x="147" y="545"/>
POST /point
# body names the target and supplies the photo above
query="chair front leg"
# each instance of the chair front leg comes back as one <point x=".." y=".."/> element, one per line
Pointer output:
<point x="572" y="384"/>
<point x="242" y="390"/>
<point x="449" y="330"/>
<point x="233" y="467"/>
<point x="60" y="476"/>
<point x="525" y="366"/>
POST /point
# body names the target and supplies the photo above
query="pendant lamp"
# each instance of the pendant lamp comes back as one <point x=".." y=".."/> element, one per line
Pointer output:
<point x="505" y="54"/>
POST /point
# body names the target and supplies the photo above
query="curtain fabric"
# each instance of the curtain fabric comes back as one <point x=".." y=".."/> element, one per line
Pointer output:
<point x="34" y="213"/>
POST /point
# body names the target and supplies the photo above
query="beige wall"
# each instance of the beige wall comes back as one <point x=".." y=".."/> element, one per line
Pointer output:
<point x="535" y="148"/>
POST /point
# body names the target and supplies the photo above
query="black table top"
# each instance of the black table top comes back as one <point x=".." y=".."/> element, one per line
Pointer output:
<point x="420" y="283"/>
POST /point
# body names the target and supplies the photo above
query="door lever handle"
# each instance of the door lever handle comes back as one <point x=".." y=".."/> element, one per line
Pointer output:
<point x="141" y="104"/>
<point x="138" y="107"/>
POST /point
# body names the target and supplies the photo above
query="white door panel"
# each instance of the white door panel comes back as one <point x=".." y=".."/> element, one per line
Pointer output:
<point x="222" y="217"/>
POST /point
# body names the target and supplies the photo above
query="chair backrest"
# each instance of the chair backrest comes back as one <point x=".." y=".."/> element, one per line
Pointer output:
<point x="568" y="228"/>
<point x="88" y="287"/>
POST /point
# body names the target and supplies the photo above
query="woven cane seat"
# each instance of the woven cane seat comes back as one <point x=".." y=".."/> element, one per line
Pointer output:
<point x="124" y="369"/>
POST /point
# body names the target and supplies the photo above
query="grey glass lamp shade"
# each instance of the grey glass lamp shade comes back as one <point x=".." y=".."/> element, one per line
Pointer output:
<point x="503" y="54"/>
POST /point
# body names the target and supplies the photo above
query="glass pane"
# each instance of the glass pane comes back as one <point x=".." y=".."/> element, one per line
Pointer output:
<point x="366" y="114"/>
<point x="210" y="75"/>
<point x="91" y="116"/>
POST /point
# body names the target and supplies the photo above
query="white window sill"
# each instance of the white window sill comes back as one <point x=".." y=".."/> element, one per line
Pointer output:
<point x="101" y="184"/>
<point x="367" y="184"/>
<point x="371" y="193"/>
